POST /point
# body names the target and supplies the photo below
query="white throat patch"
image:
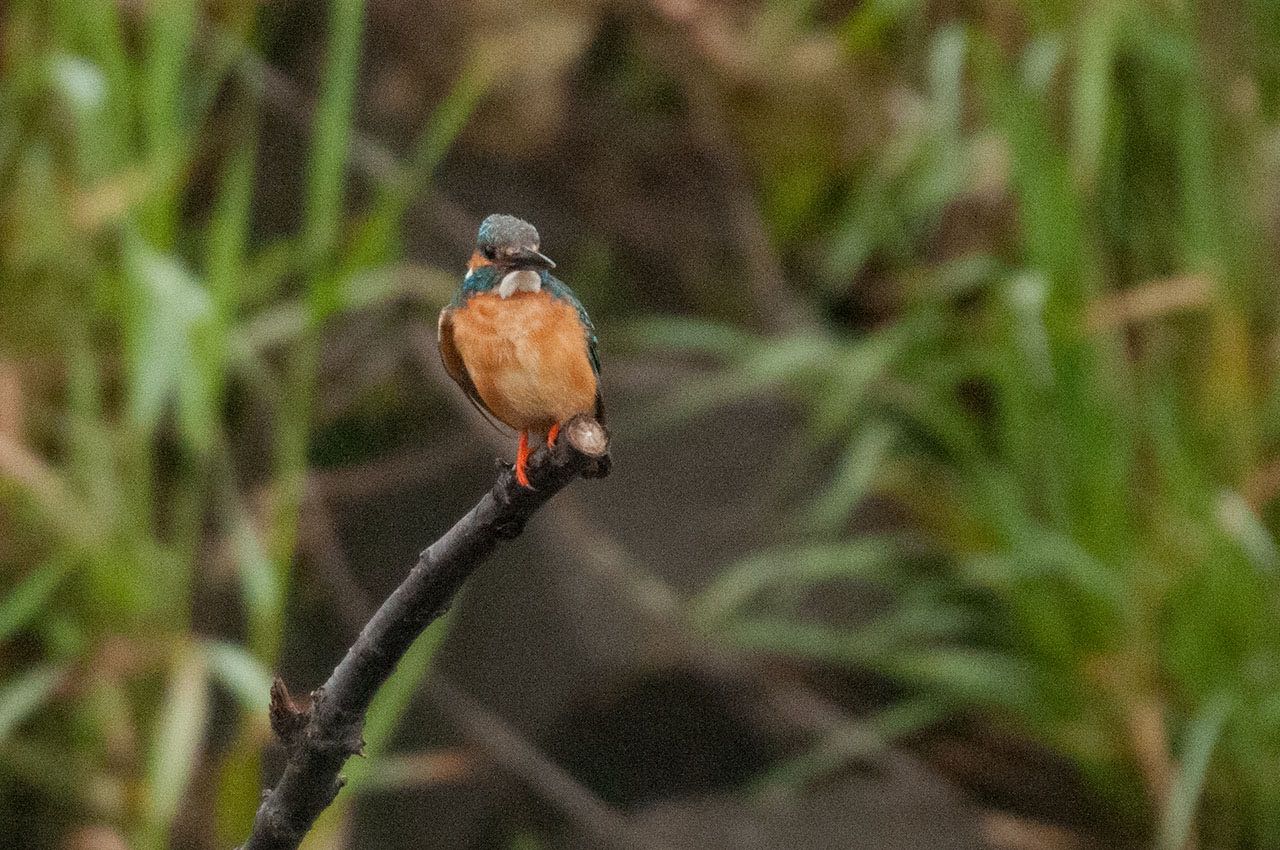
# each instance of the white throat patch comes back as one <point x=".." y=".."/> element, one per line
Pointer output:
<point x="524" y="280"/>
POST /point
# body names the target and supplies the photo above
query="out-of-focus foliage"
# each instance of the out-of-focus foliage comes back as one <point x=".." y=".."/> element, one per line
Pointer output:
<point x="129" y="313"/>
<point x="1014" y="263"/>
<point x="1073" y="399"/>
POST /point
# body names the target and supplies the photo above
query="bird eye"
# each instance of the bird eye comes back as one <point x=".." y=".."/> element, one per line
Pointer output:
<point x="490" y="252"/>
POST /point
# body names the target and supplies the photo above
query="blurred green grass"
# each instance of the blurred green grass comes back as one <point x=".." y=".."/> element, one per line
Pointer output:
<point x="1064" y="374"/>
<point x="1079" y="414"/>
<point x="152" y="311"/>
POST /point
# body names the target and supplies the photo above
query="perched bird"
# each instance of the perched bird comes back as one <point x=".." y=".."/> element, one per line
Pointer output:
<point x="518" y="341"/>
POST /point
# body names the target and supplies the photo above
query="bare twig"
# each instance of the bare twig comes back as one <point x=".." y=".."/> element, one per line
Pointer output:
<point x="1151" y="300"/>
<point x="318" y="540"/>
<point x="502" y="745"/>
<point x="428" y="768"/>
<point x="398" y="471"/>
<point x="320" y="738"/>
<point x="512" y="752"/>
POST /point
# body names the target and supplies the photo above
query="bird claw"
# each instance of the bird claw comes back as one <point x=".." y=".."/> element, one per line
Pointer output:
<point x="522" y="478"/>
<point x="522" y="461"/>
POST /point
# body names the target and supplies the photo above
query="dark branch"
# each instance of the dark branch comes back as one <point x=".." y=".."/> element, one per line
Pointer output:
<point x="320" y="739"/>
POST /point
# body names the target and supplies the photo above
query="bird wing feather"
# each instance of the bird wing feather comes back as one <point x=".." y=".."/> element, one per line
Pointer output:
<point x="560" y="289"/>
<point x="457" y="369"/>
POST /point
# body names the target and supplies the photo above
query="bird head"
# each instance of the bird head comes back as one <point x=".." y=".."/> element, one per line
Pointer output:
<point x="508" y="243"/>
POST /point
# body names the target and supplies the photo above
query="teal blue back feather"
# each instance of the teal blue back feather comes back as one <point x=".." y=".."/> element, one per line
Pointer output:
<point x="560" y="289"/>
<point x="482" y="279"/>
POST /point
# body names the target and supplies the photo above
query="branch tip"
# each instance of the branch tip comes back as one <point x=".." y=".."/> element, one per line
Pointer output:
<point x="288" y="718"/>
<point x="588" y="437"/>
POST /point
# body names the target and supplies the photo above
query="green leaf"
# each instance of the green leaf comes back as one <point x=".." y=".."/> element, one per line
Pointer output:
<point x="330" y="146"/>
<point x="166" y="311"/>
<point x="102" y="31"/>
<point x="969" y="676"/>
<point x="854" y="370"/>
<point x="850" y="742"/>
<point x="857" y="472"/>
<point x="1037" y="553"/>
<point x="1097" y="42"/>
<point x="232" y="666"/>
<point x="1247" y="529"/>
<point x="802" y="566"/>
<point x="262" y="586"/>
<point x="887" y="642"/>
<point x="226" y="254"/>
<point x="377" y="239"/>
<point x="1052" y="222"/>
<point x="176" y="744"/>
<point x="239" y="787"/>
<point x="170" y="36"/>
<point x="690" y="336"/>
<point x="1197" y="749"/>
<point x="21" y="696"/>
<point x="81" y="84"/>
<point x="26" y="600"/>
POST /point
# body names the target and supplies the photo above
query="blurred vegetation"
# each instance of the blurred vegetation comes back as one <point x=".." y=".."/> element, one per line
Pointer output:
<point x="1073" y="398"/>
<point x="139" y="304"/>
<point x="1014" y="264"/>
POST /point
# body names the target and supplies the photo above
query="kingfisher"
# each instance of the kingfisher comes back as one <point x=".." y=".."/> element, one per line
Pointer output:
<point x="518" y="341"/>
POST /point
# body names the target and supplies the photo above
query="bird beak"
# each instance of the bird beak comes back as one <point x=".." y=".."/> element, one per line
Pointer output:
<point x="530" y="258"/>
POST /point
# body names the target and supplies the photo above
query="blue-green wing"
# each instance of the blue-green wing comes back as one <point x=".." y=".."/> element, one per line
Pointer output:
<point x="560" y="289"/>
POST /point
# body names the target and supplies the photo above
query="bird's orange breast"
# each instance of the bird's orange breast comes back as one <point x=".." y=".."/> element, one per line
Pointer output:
<point x="527" y="356"/>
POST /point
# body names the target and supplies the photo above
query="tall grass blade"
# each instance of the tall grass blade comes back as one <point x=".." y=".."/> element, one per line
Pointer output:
<point x="330" y="147"/>
<point x="176" y="745"/>
<point x="23" y="695"/>
<point x="25" y="601"/>
<point x="1197" y="749"/>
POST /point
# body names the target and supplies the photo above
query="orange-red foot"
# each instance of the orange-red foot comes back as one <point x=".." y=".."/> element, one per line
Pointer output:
<point x="552" y="434"/>
<point x="522" y="461"/>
